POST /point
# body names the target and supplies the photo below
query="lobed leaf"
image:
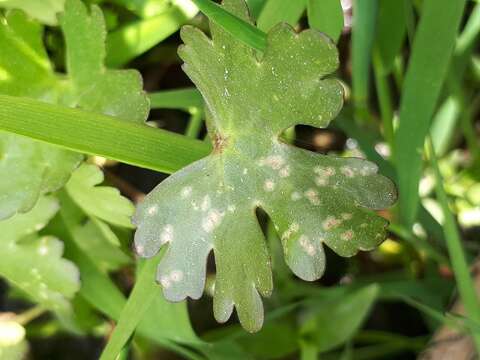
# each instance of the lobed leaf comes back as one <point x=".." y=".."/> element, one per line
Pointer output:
<point x="34" y="263"/>
<point x="313" y="200"/>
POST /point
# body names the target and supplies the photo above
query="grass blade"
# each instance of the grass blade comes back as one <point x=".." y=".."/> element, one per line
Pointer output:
<point x="142" y="296"/>
<point x="242" y="30"/>
<point x="432" y="50"/>
<point x="463" y="279"/>
<point x="326" y="16"/>
<point x="363" y="35"/>
<point x="98" y="134"/>
<point x="134" y="39"/>
<point x="276" y="11"/>
<point x="391" y="32"/>
<point x="184" y="99"/>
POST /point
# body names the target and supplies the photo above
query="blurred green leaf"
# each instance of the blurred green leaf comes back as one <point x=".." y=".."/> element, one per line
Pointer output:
<point x="135" y="38"/>
<point x="110" y="92"/>
<point x="34" y="263"/>
<point x="390" y="32"/>
<point x="276" y="11"/>
<point x="328" y="198"/>
<point x="104" y="202"/>
<point x="331" y="323"/>
<point x="363" y="35"/>
<point x="326" y="16"/>
<point x="431" y="53"/>
<point x="33" y="168"/>
<point x="184" y="99"/>
<point x="45" y="10"/>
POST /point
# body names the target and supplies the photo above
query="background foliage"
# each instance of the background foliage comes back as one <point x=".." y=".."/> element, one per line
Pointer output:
<point x="76" y="154"/>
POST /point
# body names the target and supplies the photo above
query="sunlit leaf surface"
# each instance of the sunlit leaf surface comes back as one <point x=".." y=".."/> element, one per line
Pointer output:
<point x="312" y="199"/>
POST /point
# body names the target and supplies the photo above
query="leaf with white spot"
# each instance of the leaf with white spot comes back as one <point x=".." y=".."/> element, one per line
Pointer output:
<point x="103" y="202"/>
<point x="312" y="199"/>
<point x="34" y="263"/>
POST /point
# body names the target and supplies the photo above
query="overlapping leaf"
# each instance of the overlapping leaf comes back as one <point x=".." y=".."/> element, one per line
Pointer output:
<point x="34" y="263"/>
<point x="25" y="70"/>
<point x="313" y="200"/>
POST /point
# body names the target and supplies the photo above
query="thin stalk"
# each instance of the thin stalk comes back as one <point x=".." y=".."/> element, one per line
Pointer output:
<point x="195" y="123"/>
<point x="30" y="314"/>
<point x="385" y="102"/>
<point x="461" y="271"/>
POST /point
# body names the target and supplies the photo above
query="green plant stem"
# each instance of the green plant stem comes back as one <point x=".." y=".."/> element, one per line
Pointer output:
<point x="30" y="314"/>
<point x="194" y="123"/>
<point x="461" y="271"/>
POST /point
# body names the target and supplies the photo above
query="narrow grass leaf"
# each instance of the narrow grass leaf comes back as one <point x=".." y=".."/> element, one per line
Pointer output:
<point x="363" y="35"/>
<point x="242" y="30"/>
<point x="135" y="38"/>
<point x="432" y="49"/>
<point x="464" y="281"/>
<point x="97" y="134"/>
<point x="326" y="16"/>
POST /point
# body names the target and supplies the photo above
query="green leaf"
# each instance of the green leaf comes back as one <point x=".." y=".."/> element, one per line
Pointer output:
<point x="95" y="238"/>
<point x="45" y="10"/>
<point x="40" y="168"/>
<point x="112" y="92"/>
<point x="312" y="199"/>
<point x="431" y="53"/>
<point x="104" y="202"/>
<point x="333" y="322"/>
<point x="391" y="31"/>
<point x="34" y="263"/>
<point x="326" y="16"/>
<point x="137" y="37"/>
<point x="34" y="168"/>
<point x="98" y="134"/>
<point x="236" y="26"/>
<point x="275" y="11"/>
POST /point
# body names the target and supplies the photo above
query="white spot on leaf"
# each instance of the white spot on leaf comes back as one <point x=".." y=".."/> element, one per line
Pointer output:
<point x="186" y="191"/>
<point x="212" y="220"/>
<point x="269" y="185"/>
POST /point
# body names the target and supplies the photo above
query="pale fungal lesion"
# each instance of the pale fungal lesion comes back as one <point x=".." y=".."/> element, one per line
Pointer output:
<point x="347" y="171"/>
<point x="269" y="185"/>
<point x="231" y="208"/>
<point x="284" y="172"/>
<point x="176" y="275"/>
<point x="330" y="223"/>
<point x="167" y="234"/>
<point x="205" y="203"/>
<point x="273" y="161"/>
<point x="152" y="210"/>
<point x="165" y="281"/>
<point x="347" y="235"/>
<point x="307" y="245"/>
<point x="346" y="216"/>
<point x="212" y="220"/>
<point x="312" y="196"/>
<point x="296" y="196"/>
<point x="186" y="191"/>
<point x="293" y="228"/>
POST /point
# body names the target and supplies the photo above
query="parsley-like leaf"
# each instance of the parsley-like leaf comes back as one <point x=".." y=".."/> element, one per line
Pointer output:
<point x="312" y="199"/>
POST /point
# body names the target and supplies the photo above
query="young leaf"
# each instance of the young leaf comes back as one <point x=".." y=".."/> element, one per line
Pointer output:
<point x="312" y="199"/>
<point x="45" y="11"/>
<point x="34" y="263"/>
<point x="104" y="202"/>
